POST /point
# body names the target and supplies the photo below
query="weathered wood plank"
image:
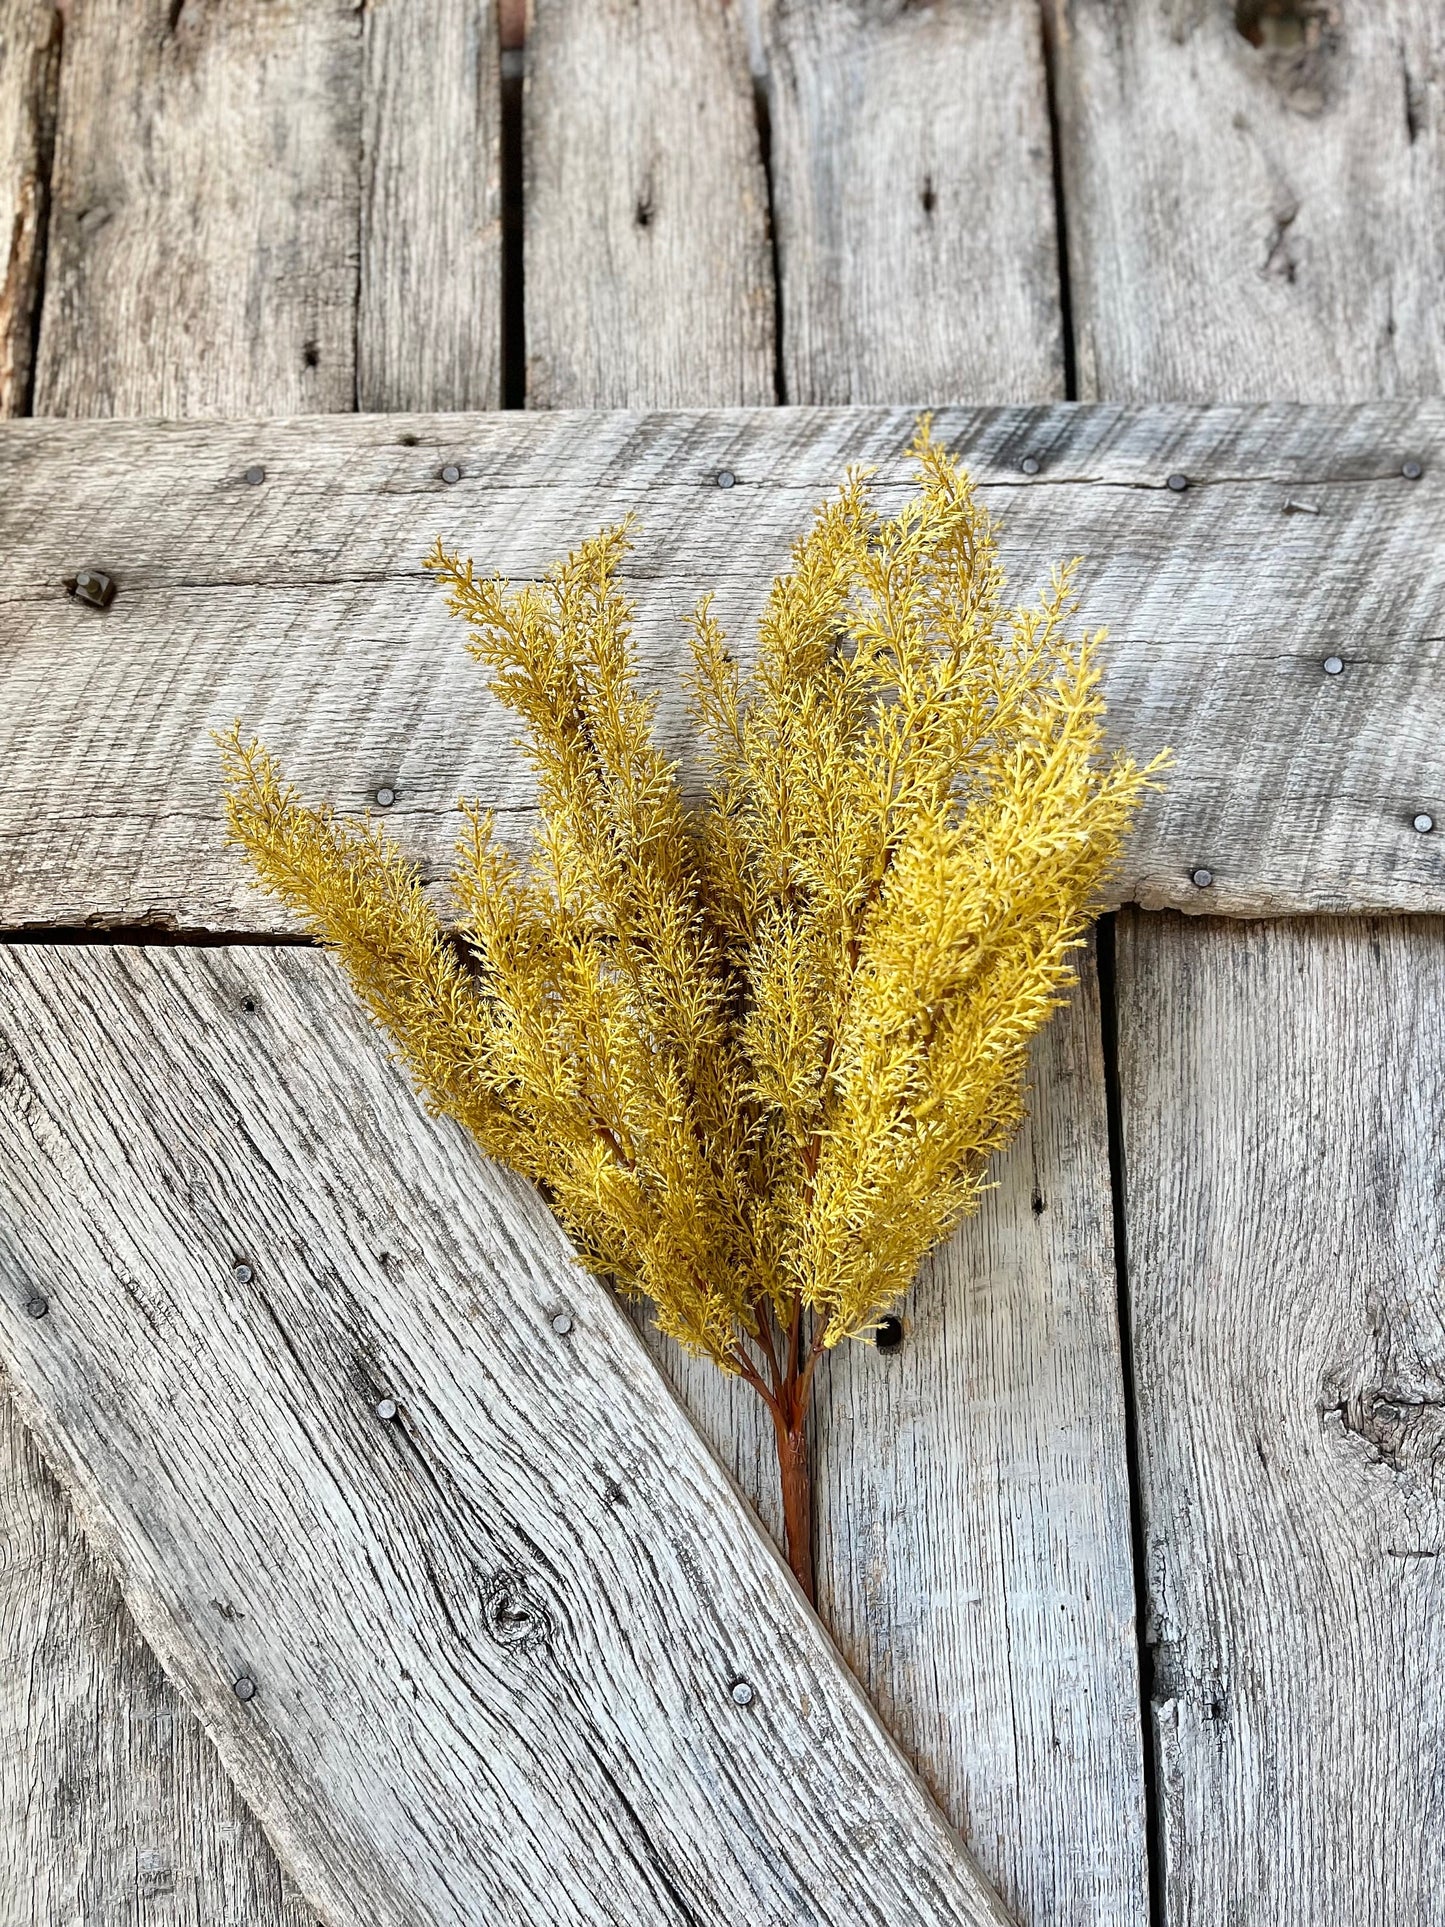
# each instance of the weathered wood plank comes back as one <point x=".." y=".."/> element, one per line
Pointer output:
<point x="300" y="605"/>
<point x="205" y="208"/>
<point x="429" y="324"/>
<point x="1283" y="1106"/>
<point x="526" y="1599"/>
<point x="973" y="1517"/>
<point x="913" y="198"/>
<point x="115" y="1807"/>
<point x="29" y="68"/>
<point x="648" y="268"/>
<point x="1253" y="219"/>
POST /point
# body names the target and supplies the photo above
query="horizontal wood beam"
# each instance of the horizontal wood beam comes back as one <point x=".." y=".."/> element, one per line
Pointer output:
<point x="479" y="1626"/>
<point x="1270" y="576"/>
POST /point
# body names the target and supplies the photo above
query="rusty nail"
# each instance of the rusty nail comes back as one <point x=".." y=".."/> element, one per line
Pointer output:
<point x="242" y="1274"/>
<point x="37" y="1306"/>
<point x="386" y="1408"/>
<point x="451" y="473"/>
<point x="1201" y="879"/>
<point x="1411" y="471"/>
<point x="1030" y="464"/>
<point x="1332" y="665"/>
<point x="93" y="587"/>
<point x="742" y="1693"/>
<point x="255" y="475"/>
<point x="385" y="798"/>
<point x="1424" y="824"/>
<point x="725" y="478"/>
<point x="562" y="1323"/>
<point x="245" y="1687"/>
<point x="1178" y="483"/>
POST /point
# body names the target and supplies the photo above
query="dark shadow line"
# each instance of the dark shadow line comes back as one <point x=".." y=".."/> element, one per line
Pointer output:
<point x="1061" y="222"/>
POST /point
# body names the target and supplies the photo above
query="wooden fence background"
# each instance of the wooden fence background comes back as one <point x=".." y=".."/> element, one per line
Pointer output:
<point x="1134" y="1544"/>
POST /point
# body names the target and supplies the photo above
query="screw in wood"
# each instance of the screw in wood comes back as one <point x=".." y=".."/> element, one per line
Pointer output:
<point x="562" y="1323"/>
<point x="725" y="478"/>
<point x="1424" y="824"/>
<point x="93" y="587"/>
<point x="1201" y="879"/>
<point x="37" y="1306"/>
<point x="451" y="473"/>
<point x="385" y="798"/>
<point x="1412" y="471"/>
<point x="741" y="1692"/>
<point x="245" y="1687"/>
<point x="386" y="1409"/>
<point x="1030" y="464"/>
<point x="255" y="475"/>
<point x="1178" y="483"/>
<point x="242" y="1274"/>
<point x="1332" y="666"/>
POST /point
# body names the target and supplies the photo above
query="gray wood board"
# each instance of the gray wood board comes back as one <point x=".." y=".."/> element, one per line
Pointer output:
<point x="300" y="605"/>
<point x="1283" y="1107"/>
<point x="1253" y="219"/>
<point x="429" y="313"/>
<point x="202" y="255"/>
<point x="495" y="1639"/>
<point x="29" y="70"/>
<point x="115" y="1806"/>
<point x="913" y="196"/>
<point x="649" y="277"/>
<point x="973" y="1516"/>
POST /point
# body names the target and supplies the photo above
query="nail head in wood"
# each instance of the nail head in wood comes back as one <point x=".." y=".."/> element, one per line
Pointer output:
<point x="1030" y="464"/>
<point x="255" y="474"/>
<point x="451" y="473"/>
<point x="1412" y="471"/>
<point x="242" y="1274"/>
<point x="1178" y="483"/>
<point x="385" y="798"/>
<point x="1424" y="824"/>
<point x="93" y="587"/>
<point x="1332" y="665"/>
<point x="386" y="1409"/>
<point x="725" y="478"/>
<point x="37" y="1306"/>
<point x="562" y="1323"/>
<point x="742" y="1692"/>
<point x="245" y="1687"/>
<point x="1201" y="879"/>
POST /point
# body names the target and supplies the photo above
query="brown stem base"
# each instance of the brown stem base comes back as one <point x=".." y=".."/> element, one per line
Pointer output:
<point x="796" y="1479"/>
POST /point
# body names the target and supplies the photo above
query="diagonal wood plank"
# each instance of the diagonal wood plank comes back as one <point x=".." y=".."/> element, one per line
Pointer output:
<point x="301" y="606"/>
<point x="1283" y="1108"/>
<point x="517" y="1637"/>
<point x="648" y="271"/>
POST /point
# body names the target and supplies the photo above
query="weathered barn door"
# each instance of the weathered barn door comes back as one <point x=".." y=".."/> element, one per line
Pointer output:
<point x="516" y="1651"/>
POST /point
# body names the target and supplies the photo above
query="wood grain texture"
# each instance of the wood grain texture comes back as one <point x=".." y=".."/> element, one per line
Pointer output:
<point x="115" y="1808"/>
<point x="1283" y="1107"/>
<point x="29" y="70"/>
<point x="648" y="267"/>
<point x="300" y="606"/>
<point x="913" y="196"/>
<point x="429" y="321"/>
<point x="974" y="1539"/>
<point x="504" y="1667"/>
<point x="1254" y="220"/>
<point x="205" y="207"/>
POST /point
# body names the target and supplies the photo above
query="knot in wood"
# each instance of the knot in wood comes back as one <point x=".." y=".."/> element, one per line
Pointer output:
<point x="513" y="1615"/>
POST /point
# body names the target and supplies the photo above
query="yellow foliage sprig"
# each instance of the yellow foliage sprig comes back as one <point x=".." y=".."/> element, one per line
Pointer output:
<point x="756" y="1055"/>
